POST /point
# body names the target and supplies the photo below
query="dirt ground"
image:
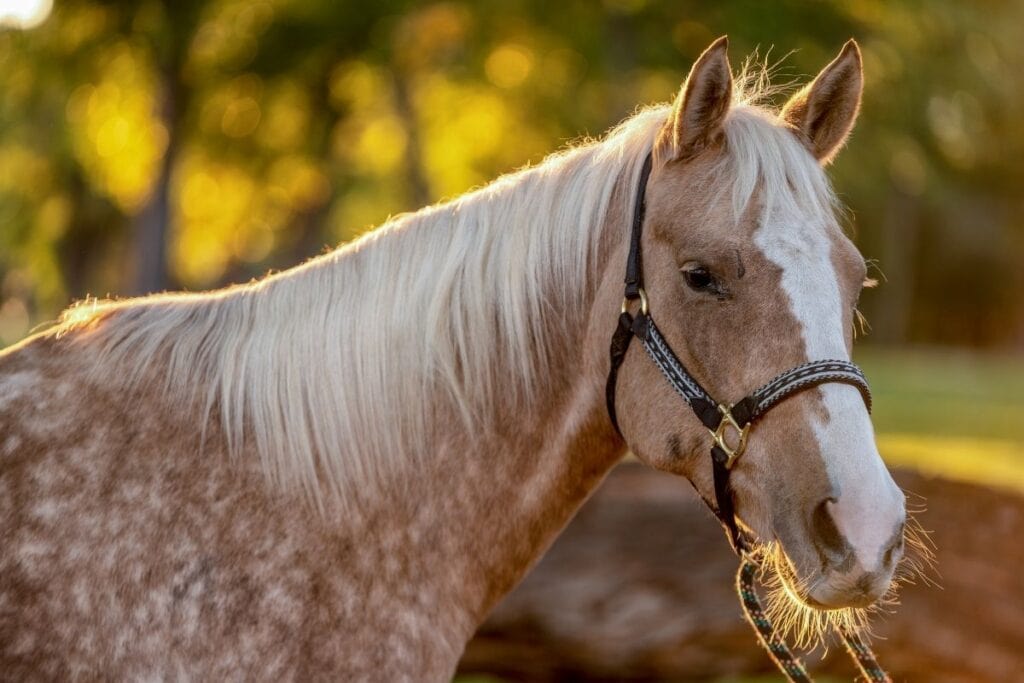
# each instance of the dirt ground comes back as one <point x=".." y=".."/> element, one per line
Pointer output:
<point x="639" y="588"/>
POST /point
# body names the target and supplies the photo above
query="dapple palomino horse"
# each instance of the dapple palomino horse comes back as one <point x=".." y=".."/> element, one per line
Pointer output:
<point x="335" y="472"/>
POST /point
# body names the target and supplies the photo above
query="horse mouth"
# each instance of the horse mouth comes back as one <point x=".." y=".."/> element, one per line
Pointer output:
<point x="789" y="604"/>
<point x="795" y="589"/>
<point x="803" y="595"/>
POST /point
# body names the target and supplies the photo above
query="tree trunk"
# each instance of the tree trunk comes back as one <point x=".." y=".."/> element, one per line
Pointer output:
<point x="419" y="188"/>
<point x="152" y="224"/>
<point x="895" y="300"/>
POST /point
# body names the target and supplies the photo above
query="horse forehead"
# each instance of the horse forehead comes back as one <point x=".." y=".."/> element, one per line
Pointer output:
<point x="694" y="203"/>
<point x="803" y="248"/>
<point x="690" y="194"/>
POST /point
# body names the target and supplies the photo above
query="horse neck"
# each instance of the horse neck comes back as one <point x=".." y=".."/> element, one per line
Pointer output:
<point x="485" y="505"/>
<point x="470" y="500"/>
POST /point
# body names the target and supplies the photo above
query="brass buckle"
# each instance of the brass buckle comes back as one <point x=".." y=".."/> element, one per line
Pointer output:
<point x="733" y="452"/>
<point x="643" y="302"/>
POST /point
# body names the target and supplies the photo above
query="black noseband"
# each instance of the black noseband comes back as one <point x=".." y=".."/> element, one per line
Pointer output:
<point x="729" y="424"/>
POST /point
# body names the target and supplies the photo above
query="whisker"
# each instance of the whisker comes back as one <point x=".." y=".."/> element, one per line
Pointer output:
<point x="860" y="321"/>
<point x="808" y="627"/>
<point x="874" y="264"/>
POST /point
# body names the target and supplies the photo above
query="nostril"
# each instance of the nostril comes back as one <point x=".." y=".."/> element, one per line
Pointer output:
<point x="865" y="584"/>
<point x="826" y="534"/>
<point x="895" y="550"/>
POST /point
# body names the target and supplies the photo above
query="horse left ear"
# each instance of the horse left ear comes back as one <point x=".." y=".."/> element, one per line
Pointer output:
<point x="701" y="106"/>
<point x="824" y="111"/>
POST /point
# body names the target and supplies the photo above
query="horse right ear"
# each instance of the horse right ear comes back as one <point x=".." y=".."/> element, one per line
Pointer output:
<point x="822" y="113"/>
<point x="700" y="108"/>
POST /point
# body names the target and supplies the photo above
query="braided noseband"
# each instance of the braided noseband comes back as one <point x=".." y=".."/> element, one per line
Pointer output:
<point x="729" y="426"/>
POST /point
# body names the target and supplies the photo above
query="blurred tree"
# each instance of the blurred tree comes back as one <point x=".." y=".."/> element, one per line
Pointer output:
<point x="146" y="144"/>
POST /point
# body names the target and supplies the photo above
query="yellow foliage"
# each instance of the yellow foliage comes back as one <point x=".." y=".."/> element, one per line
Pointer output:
<point x="371" y="145"/>
<point x="115" y="132"/>
<point x="229" y="35"/>
<point x="52" y="219"/>
<point x="300" y="181"/>
<point x="358" y="86"/>
<point x="372" y="139"/>
<point x="625" y="6"/>
<point x="560" y="68"/>
<point x="462" y="124"/>
<point x="23" y="171"/>
<point x="286" y="117"/>
<point x="690" y="37"/>
<point x="427" y="33"/>
<point x="214" y="202"/>
<point x="241" y="116"/>
<point x="234" y="108"/>
<point x="224" y="212"/>
<point x="356" y="212"/>
<point x="83" y="22"/>
<point x="509" y="65"/>
<point x="656" y="86"/>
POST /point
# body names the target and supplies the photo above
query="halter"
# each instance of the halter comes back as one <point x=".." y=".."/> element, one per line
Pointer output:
<point x="729" y="426"/>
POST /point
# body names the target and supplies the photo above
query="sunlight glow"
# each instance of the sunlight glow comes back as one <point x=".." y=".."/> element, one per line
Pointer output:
<point x="24" y="14"/>
<point x="81" y="315"/>
<point x="957" y="457"/>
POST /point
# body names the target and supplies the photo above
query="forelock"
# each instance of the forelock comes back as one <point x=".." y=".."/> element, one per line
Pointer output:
<point x="764" y="160"/>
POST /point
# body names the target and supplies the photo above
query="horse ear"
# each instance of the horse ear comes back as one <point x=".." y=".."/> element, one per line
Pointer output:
<point x="824" y="111"/>
<point x="700" y="107"/>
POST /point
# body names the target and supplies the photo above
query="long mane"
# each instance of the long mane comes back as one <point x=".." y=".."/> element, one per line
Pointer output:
<point x="332" y="371"/>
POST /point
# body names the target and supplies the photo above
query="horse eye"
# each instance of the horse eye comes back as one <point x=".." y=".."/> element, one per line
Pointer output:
<point x="699" y="279"/>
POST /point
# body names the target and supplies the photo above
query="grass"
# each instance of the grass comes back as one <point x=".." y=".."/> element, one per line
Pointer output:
<point x="956" y="414"/>
<point x="946" y="393"/>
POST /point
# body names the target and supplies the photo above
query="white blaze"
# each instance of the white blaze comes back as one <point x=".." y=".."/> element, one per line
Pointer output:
<point x="870" y="505"/>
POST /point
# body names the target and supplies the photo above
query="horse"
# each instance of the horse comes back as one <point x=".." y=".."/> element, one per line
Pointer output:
<point x="336" y="471"/>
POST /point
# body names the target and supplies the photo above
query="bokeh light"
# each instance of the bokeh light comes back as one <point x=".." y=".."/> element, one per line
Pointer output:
<point x="24" y="14"/>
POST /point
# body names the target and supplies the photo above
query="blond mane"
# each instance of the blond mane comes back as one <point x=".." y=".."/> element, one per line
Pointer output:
<point x="332" y="371"/>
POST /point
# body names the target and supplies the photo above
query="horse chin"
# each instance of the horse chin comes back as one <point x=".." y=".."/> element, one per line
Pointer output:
<point x="791" y="606"/>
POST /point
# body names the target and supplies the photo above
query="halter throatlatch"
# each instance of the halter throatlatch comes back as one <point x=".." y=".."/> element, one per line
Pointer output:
<point x="729" y="426"/>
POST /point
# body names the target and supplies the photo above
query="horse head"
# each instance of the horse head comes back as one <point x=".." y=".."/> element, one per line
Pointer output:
<point x="749" y="274"/>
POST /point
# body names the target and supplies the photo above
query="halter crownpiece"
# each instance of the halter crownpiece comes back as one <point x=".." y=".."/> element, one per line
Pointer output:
<point x="729" y="426"/>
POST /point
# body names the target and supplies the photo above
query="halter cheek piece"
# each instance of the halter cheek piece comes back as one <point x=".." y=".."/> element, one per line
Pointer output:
<point x="729" y="424"/>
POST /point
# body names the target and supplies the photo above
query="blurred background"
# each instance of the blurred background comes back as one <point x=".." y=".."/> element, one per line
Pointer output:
<point x="149" y="145"/>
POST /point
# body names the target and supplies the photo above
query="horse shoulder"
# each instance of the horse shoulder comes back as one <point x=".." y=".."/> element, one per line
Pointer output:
<point x="132" y="545"/>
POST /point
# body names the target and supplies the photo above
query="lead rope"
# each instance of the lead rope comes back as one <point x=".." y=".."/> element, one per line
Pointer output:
<point x="776" y="646"/>
<point x="777" y="649"/>
<point x="863" y="657"/>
